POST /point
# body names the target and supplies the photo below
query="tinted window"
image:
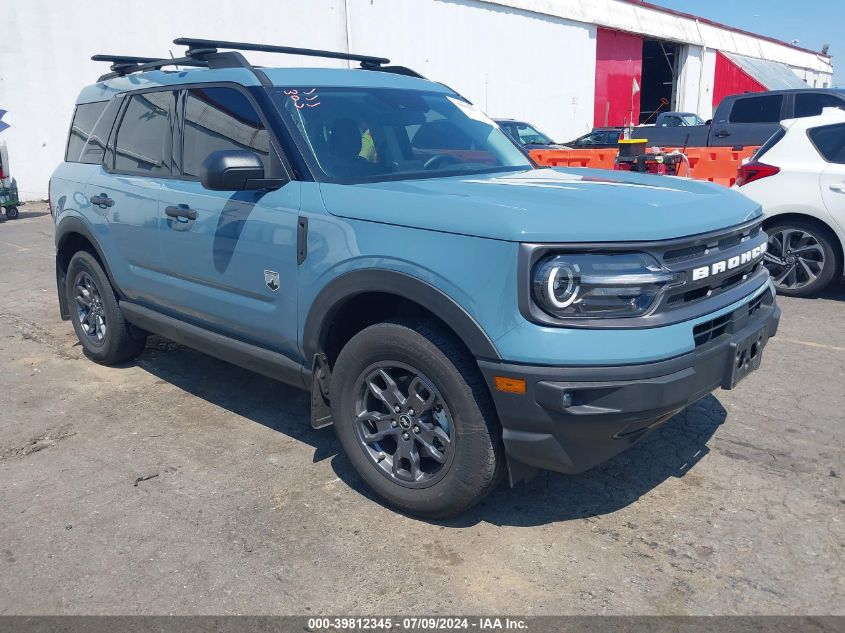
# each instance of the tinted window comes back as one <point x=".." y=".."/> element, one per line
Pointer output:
<point x="84" y="119"/>
<point x="811" y="104"/>
<point x="830" y="141"/>
<point x="144" y="136"/>
<point x="95" y="148"/>
<point x="220" y="119"/>
<point x="764" y="109"/>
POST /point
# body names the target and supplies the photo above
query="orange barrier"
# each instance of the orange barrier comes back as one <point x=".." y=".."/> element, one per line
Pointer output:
<point x="716" y="164"/>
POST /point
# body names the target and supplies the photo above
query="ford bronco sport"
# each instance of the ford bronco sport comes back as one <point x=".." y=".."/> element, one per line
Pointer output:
<point x="457" y="313"/>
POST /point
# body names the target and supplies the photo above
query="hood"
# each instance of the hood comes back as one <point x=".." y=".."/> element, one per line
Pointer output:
<point x="547" y="205"/>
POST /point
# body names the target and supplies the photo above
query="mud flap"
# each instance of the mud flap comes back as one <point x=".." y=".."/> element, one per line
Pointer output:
<point x="321" y="413"/>
<point x="64" y="309"/>
<point x="519" y="472"/>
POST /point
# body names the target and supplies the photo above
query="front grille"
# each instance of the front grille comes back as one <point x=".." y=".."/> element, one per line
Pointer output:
<point x="732" y="321"/>
<point x="711" y="245"/>
<point x="716" y="287"/>
<point x="730" y="248"/>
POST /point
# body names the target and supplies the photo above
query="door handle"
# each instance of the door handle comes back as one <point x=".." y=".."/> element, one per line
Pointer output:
<point x="181" y="211"/>
<point x="102" y="200"/>
<point x="838" y="187"/>
<point x="722" y="134"/>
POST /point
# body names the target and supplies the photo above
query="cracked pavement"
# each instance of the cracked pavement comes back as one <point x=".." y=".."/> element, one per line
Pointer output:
<point x="182" y="485"/>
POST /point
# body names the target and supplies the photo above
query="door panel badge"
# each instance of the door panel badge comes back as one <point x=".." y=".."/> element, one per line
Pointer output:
<point x="271" y="280"/>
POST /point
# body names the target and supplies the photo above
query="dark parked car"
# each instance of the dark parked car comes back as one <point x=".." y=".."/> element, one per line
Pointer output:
<point x="599" y="138"/>
<point x="746" y="119"/>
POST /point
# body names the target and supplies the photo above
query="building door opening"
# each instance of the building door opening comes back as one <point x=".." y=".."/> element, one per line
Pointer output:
<point x="659" y="78"/>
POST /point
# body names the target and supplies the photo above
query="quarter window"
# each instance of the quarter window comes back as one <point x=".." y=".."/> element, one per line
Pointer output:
<point x="144" y="137"/>
<point x="220" y="119"/>
<point x="84" y="119"/>
<point x="830" y="141"/>
<point x="95" y="148"/>
<point x="757" y="109"/>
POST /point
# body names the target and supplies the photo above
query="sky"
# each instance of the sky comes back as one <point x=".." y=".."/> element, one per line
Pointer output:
<point x="815" y="23"/>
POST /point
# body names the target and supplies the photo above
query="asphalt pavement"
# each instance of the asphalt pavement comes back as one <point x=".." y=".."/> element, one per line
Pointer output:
<point x="179" y="484"/>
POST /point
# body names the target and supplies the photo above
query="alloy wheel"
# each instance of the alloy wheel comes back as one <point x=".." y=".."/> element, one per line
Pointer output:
<point x="403" y="424"/>
<point x="89" y="308"/>
<point x="794" y="257"/>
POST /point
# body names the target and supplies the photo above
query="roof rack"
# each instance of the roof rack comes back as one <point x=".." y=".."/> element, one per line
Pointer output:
<point x="199" y="47"/>
<point x="122" y="65"/>
<point x="204" y="53"/>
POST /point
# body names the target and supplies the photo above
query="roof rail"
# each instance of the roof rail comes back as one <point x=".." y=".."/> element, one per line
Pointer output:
<point x="199" y="47"/>
<point x="122" y="65"/>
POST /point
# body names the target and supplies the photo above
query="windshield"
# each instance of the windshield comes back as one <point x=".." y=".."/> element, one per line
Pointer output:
<point x="692" y="119"/>
<point x="351" y="135"/>
<point x="529" y="135"/>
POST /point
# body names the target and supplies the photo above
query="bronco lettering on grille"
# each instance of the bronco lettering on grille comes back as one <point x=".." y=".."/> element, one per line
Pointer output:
<point x="729" y="264"/>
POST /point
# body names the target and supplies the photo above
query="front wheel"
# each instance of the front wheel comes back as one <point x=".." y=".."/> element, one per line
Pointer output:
<point x="800" y="257"/>
<point x="96" y="316"/>
<point x="11" y="213"/>
<point x="413" y="415"/>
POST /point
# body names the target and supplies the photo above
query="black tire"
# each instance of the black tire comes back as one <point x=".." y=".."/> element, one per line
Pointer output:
<point x="120" y="342"/>
<point x="11" y="213"/>
<point x="823" y="261"/>
<point x="476" y="461"/>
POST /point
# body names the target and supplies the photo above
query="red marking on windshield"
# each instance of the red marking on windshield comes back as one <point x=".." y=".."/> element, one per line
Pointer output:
<point x="303" y="99"/>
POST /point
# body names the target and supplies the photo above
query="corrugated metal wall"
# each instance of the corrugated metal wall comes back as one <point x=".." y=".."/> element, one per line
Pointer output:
<point x="619" y="62"/>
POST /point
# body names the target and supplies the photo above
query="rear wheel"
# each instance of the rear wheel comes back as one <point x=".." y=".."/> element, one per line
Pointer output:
<point x="413" y="415"/>
<point x="102" y="331"/>
<point x="11" y="213"/>
<point x="800" y="257"/>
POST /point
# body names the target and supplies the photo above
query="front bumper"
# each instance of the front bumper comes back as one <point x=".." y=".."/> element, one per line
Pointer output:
<point x="572" y="418"/>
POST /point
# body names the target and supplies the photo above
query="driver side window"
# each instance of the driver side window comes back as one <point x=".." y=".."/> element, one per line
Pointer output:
<point x="220" y="119"/>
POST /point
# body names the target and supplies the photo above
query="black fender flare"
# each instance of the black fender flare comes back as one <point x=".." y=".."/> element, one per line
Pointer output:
<point x="74" y="224"/>
<point x="64" y="228"/>
<point x="351" y="284"/>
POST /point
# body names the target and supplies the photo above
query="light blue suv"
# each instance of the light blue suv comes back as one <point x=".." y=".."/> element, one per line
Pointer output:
<point x="456" y="312"/>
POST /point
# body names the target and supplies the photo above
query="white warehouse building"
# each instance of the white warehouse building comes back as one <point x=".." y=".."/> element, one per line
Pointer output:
<point x="564" y="65"/>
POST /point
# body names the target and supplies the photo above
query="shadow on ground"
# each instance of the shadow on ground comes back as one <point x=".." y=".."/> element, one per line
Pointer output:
<point x="834" y="292"/>
<point x="670" y="451"/>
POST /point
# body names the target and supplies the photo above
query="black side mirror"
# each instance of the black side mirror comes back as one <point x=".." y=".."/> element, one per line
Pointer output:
<point x="235" y="170"/>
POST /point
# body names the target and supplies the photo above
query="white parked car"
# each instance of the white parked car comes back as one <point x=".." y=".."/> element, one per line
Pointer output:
<point x="799" y="178"/>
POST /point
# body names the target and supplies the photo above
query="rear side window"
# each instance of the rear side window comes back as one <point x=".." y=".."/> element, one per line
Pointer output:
<point x="764" y="109"/>
<point x="811" y="104"/>
<point x="84" y="119"/>
<point x="143" y="140"/>
<point x="220" y="119"/>
<point x="830" y="142"/>
<point x="95" y="148"/>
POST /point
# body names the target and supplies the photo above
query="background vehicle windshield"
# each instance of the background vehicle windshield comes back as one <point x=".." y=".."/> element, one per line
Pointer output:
<point x="351" y="135"/>
<point x="529" y="135"/>
<point x="692" y="119"/>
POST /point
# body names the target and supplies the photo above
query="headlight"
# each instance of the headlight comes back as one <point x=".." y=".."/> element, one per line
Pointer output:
<point x="592" y="285"/>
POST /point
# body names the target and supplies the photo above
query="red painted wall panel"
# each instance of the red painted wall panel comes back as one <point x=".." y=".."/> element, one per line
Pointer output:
<point x="619" y="60"/>
<point x="730" y="79"/>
